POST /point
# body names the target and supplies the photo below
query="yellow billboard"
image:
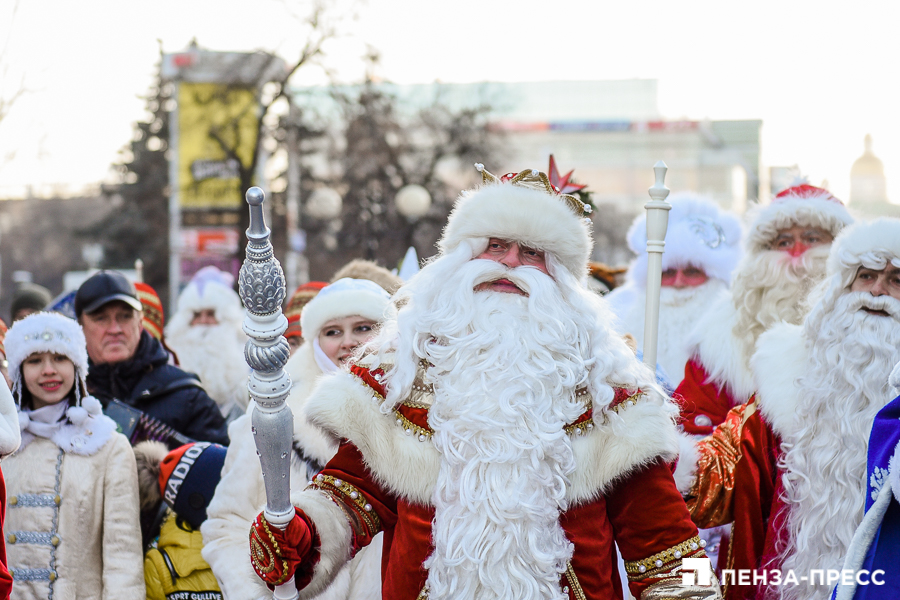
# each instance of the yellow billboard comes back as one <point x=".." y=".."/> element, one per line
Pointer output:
<point x="217" y="129"/>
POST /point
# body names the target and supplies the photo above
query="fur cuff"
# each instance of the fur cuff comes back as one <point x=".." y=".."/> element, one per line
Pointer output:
<point x="686" y="469"/>
<point x="334" y="537"/>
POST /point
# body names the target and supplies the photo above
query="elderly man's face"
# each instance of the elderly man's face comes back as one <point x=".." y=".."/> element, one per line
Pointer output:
<point x="511" y="255"/>
<point x="885" y="282"/>
<point x="684" y="277"/>
<point x="798" y="239"/>
<point x="204" y="316"/>
<point x="112" y="332"/>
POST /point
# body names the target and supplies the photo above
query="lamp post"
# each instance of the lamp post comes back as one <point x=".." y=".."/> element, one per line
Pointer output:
<point x="413" y="201"/>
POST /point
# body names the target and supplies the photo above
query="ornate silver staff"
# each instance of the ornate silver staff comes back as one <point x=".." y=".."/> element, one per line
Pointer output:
<point x="262" y="289"/>
<point x="657" y="223"/>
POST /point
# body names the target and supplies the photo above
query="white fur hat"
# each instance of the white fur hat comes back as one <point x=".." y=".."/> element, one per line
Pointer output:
<point x="45" y="332"/>
<point x="699" y="233"/>
<point x="343" y="298"/>
<point x="872" y="244"/>
<point x="526" y="215"/>
<point x="209" y="288"/>
<point x="804" y="205"/>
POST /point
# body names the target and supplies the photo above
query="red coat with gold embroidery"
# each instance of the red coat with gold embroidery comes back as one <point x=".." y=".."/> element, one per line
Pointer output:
<point x="384" y="474"/>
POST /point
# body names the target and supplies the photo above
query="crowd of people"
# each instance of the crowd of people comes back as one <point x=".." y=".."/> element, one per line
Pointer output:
<point x="485" y="429"/>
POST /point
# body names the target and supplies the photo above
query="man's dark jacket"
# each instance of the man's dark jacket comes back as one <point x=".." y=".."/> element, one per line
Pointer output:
<point x="163" y="391"/>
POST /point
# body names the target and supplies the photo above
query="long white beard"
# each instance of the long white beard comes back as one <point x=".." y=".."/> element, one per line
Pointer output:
<point x="679" y="311"/>
<point x="852" y="353"/>
<point x="502" y="399"/>
<point x="216" y="354"/>
<point x="771" y="287"/>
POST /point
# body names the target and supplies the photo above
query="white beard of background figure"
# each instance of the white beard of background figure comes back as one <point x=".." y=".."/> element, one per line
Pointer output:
<point x="852" y="351"/>
<point x="772" y="286"/>
<point x="216" y="354"/>
<point x="206" y="333"/>
<point x="702" y="249"/>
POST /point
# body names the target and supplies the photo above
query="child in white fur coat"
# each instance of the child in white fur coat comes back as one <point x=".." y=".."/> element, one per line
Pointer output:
<point x="72" y="528"/>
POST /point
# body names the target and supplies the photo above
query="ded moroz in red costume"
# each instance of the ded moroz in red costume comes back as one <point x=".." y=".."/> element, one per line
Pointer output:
<point x="789" y="466"/>
<point x="502" y="442"/>
<point x="768" y="286"/>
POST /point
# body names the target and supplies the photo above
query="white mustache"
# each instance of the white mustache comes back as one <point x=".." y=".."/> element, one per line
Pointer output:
<point x="865" y="300"/>
<point x="492" y="271"/>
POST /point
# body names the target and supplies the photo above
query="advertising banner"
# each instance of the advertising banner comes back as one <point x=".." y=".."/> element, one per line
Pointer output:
<point x="214" y="120"/>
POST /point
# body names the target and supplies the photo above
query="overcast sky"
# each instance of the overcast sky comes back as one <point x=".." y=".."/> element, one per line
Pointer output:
<point x="820" y="74"/>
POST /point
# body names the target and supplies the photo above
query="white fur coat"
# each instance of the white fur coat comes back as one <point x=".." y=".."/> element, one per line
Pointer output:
<point x="781" y="359"/>
<point x="10" y="435"/>
<point x="241" y="496"/>
<point x="638" y="434"/>
<point x="720" y="352"/>
<point x="99" y="553"/>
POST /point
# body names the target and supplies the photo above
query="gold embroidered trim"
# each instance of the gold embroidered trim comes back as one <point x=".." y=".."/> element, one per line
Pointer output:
<point x="577" y="591"/>
<point x="327" y="483"/>
<point x="368" y="387"/>
<point x="423" y="595"/>
<point x="640" y="569"/>
<point x="411" y="428"/>
<point x="628" y="402"/>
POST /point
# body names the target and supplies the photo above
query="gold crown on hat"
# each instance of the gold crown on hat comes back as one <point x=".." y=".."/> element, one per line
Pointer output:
<point x="535" y="180"/>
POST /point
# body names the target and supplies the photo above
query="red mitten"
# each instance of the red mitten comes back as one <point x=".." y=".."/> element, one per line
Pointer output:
<point x="276" y="554"/>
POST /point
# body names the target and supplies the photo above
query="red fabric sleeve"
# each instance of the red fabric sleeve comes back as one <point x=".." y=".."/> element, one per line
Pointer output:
<point x="648" y="516"/>
<point x="703" y="404"/>
<point x="755" y="493"/>
<point x="348" y="467"/>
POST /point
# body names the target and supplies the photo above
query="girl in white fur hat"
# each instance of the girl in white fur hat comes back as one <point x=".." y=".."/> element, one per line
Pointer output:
<point x="72" y="528"/>
<point x="340" y="317"/>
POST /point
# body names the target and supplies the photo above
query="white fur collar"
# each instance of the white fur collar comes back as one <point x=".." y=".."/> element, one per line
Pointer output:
<point x="304" y="372"/>
<point x="781" y="359"/>
<point x="895" y="378"/>
<point x="84" y="432"/>
<point x="720" y="353"/>
<point x="399" y="461"/>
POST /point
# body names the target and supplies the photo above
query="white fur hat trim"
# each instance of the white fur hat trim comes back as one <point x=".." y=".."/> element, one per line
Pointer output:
<point x="45" y="332"/>
<point x="530" y="217"/>
<point x="872" y="244"/>
<point x="343" y="298"/>
<point x="699" y="234"/>
<point x="210" y="288"/>
<point x="808" y="207"/>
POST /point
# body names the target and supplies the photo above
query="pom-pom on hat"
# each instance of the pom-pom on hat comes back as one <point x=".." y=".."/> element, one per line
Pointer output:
<point x="523" y="207"/>
<point x="871" y="244"/>
<point x="805" y="205"/>
<point x="188" y="477"/>
<point x="344" y="298"/>
<point x="300" y="298"/>
<point x="699" y="234"/>
<point x="45" y="332"/>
